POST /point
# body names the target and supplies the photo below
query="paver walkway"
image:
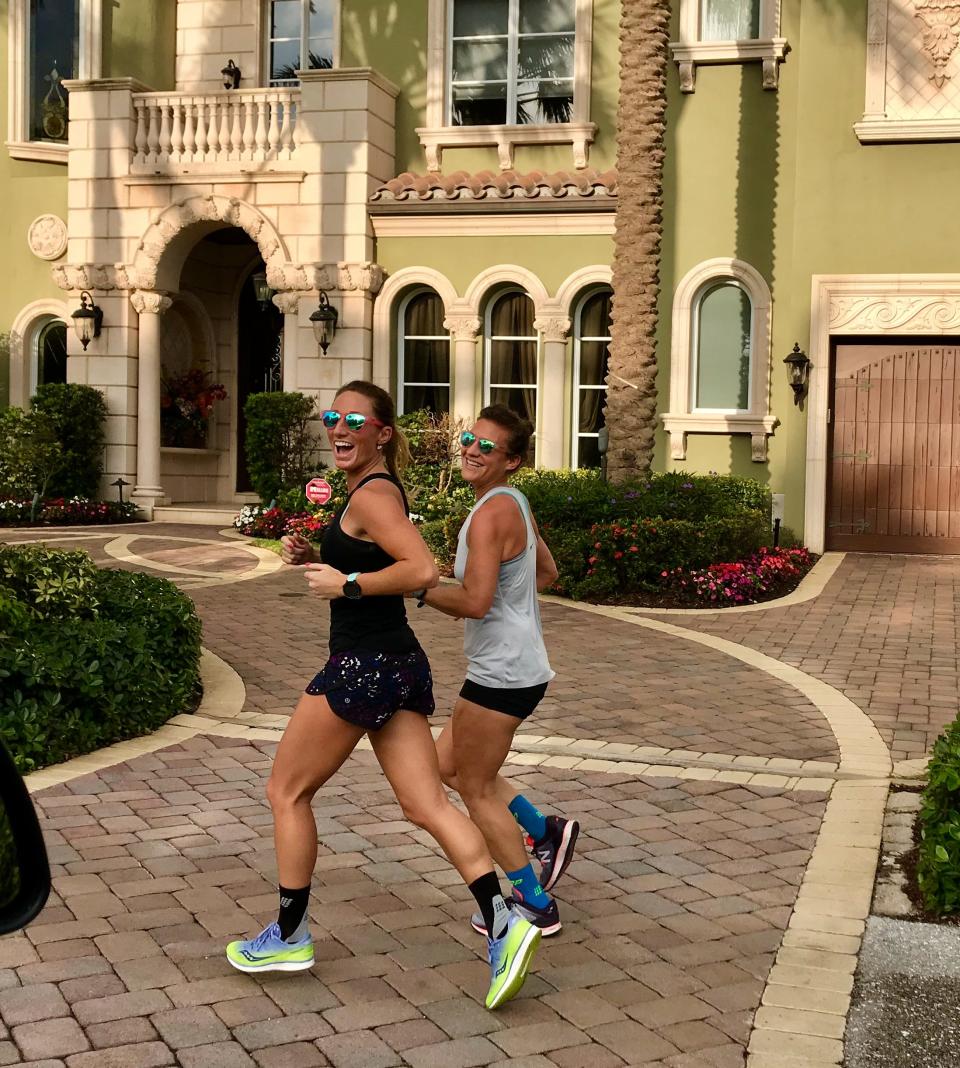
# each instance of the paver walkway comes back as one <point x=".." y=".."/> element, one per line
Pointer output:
<point x="677" y="905"/>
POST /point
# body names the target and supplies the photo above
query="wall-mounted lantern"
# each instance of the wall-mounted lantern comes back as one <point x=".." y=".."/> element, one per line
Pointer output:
<point x="324" y="321"/>
<point x="798" y="371"/>
<point x="231" y="75"/>
<point x="262" y="290"/>
<point x="87" y="320"/>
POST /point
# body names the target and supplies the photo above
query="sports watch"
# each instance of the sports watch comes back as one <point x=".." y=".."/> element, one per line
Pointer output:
<point x="351" y="588"/>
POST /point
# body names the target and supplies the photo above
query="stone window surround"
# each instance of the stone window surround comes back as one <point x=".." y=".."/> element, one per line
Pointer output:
<point x="438" y="134"/>
<point x="18" y="67"/>
<point x="681" y="419"/>
<point x="769" y="48"/>
<point x="881" y="306"/>
<point x="875" y="127"/>
<point x="24" y="334"/>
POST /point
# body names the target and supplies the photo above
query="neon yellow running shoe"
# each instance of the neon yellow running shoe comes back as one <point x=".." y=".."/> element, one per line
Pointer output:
<point x="269" y="953"/>
<point x="510" y="957"/>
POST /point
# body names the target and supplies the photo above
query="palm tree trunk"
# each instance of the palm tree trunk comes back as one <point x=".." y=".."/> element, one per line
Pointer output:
<point x="631" y="377"/>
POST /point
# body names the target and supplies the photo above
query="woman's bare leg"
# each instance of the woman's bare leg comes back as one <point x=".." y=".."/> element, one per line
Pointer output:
<point x="506" y="791"/>
<point x="408" y="756"/>
<point x="314" y="746"/>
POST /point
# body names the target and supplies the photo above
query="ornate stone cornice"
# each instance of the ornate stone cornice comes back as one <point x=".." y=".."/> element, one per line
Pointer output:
<point x="462" y="327"/>
<point x="150" y="301"/>
<point x="96" y="276"/>
<point x="340" y="277"/>
<point x="553" y="327"/>
<point x="934" y="312"/>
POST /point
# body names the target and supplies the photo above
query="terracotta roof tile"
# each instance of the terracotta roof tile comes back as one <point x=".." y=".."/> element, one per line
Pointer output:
<point x="505" y="185"/>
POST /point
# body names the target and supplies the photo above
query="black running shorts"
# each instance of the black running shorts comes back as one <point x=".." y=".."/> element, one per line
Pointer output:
<point x="519" y="701"/>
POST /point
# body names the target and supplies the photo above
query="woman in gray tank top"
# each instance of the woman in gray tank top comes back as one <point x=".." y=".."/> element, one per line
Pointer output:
<point x="502" y="563"/>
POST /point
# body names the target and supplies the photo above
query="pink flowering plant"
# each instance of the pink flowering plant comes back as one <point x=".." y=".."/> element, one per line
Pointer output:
<point x="765" y="574"/>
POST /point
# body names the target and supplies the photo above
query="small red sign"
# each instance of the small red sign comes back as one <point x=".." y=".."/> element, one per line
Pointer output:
<point x="318" y="491"/>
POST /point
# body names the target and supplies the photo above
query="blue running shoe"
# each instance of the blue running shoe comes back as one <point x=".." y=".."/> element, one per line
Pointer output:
<point x="510" y="957"/>
<point x="269" y="953"/>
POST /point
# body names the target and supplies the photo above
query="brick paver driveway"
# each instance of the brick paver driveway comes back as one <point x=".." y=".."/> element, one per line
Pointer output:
<point x="673" y="912"/>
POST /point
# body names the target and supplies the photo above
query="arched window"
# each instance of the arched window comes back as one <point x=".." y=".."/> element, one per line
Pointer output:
<point x="300" y="35"/>
<point x="423" y="353"/>
<point x="591" y="345"/>
<point x="51" y="353"/>
<point x="723" y="330"/>
<point x="511" y="354"/>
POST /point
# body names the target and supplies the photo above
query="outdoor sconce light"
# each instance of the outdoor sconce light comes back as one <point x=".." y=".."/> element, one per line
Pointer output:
<point x="798" y="370"/>
<point x="231" y="75"/>
<point x="87" y="320"/>
<point x="262" y="290"/>
<point x="324" y="321"/>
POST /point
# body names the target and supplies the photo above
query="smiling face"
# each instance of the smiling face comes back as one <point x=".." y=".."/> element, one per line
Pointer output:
<point x="354" y="450"/>
<point x="486" y="469"/>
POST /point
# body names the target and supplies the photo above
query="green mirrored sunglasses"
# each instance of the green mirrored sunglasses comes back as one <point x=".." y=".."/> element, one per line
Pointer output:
<point x="467" y="438"/>
<point x="354" y="420"/>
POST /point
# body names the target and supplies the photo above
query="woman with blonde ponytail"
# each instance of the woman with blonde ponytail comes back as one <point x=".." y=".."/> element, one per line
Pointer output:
<point x="377" y="682"/>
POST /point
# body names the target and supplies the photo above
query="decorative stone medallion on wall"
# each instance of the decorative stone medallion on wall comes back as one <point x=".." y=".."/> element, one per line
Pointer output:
<point x="47" y="237"/>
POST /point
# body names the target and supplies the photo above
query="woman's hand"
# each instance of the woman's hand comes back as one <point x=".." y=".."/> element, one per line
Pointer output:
<point x="295" y="549"/>
<point x="325" y="581"/>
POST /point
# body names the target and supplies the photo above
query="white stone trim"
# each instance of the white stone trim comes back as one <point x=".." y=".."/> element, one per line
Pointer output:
<point x="506" y="224"/>
<point x="576" y="283"/>
<point x="23" y="338"/>
<point x="439" y="134"/>
<point x="89" y="65"/>
<point x="681" y="419"/>
<point x="385" y="308"/>
<point x="769" y="48"/>
<point x="506" y="274"/>
<point x="879" y="305"/>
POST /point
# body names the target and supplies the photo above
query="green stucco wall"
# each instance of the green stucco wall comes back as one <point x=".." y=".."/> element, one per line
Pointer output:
<point x="140" y="41"/>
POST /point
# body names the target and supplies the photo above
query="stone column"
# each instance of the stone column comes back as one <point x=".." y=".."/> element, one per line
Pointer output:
<point x="289" y="303"/>
<point x="464" y="401"/>
<point x="150" y="306"/>
<point x="551" y="439"/>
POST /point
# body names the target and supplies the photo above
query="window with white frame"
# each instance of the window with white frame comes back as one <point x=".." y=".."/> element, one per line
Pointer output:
<point x="423" y="353"/>
<point x="49" y="41"/>
<point x="720" y="356"/>
<point x="300" y="35"/>
<point x="723" y="347"/>
<point x="729" y="31"/>
<point x="511" y="62"/>
<point x="591" y="351"/>
<point x="729" y="20"/>
<point x="511" y="353"/>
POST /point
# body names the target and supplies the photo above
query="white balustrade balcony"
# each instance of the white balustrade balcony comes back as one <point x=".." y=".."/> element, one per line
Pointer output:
<point x="186" y="133"/>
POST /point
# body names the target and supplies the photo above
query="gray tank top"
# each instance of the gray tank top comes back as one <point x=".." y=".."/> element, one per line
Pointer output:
<point x="505" y="649"/>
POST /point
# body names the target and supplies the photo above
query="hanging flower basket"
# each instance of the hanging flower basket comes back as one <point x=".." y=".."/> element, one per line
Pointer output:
<point x="186" y="404"/>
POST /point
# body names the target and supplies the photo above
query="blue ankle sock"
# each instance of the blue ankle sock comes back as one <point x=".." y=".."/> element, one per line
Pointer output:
<point x="530" y="818"/>
<point x="528" y="888"/>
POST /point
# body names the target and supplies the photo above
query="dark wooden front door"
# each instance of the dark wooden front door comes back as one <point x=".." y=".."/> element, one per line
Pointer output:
<point x="894" y="470"/>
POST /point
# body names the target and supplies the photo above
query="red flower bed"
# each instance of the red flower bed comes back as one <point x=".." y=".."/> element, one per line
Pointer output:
<point x="766" y="574"/>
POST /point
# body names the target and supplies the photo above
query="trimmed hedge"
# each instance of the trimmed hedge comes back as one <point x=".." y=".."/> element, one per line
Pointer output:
<point x="88" y="657"/>
<point x="938" y="860"/>
<point x="78" y="416"/>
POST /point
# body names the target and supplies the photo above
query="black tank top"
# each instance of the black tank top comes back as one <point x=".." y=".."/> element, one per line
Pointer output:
<point x="372" y="624"/>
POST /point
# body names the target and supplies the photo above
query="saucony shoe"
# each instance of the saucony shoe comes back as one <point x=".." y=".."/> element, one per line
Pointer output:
<point x="510" y="958"/>
<point x="269" y="953"/>
<point x="547" y="920"/>
<point x="555" y="849"/>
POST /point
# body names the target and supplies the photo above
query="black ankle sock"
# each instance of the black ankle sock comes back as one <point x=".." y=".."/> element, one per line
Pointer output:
<point x="486" y="890"/>
<point x="293" y="907"/>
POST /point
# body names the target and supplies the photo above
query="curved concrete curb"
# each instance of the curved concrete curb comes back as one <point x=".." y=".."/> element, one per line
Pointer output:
<point x="267" y="562"/>
<point x="223" y="695"/>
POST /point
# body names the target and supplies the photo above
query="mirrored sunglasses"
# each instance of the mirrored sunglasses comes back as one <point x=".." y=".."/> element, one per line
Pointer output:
<point x="353" y="420"/>
<point x="467" y="438"/>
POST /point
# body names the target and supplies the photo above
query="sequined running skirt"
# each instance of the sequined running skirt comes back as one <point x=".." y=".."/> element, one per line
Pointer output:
<point x="366" y="689"/>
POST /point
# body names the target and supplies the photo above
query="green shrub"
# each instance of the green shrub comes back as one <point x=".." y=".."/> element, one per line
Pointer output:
<point x="938" y="862"/>
<point x="112" y="655"/>
<point x="78" y="417"/>
<point x="281" y="445"/>
<point x="30" y="455"/>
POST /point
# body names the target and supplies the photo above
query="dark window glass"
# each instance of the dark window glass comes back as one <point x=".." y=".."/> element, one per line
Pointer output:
<point x="433" y="398"/>
<point x="54" y="44"/>
<point x="292" y="50"/>
<point x="52" y="353"/>
<point x="424" y="354"/>
<point x="592" y="341"/>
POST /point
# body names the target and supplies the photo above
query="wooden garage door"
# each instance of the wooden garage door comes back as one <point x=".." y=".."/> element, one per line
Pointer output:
<point x="894" y="472"/>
